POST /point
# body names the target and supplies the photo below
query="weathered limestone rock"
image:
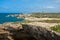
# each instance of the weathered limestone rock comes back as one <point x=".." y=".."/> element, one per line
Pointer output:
<point x="41" y="33"/>
<point x="17" y="31"/>
<point x="15" y="26"/>
<point x="14" y="32"/>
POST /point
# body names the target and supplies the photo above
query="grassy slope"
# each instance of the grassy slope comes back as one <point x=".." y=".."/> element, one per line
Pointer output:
<point x="56" y="28"/>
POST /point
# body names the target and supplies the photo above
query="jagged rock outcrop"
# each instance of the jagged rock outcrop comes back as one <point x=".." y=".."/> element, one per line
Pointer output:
<point x="41" y="33"/>
<point x="26" y="32"/>
<point x="11" y="31"/>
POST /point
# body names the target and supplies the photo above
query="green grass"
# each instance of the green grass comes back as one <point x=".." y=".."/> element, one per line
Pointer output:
<point x="24" y="22"/>
<point x="56" y="28"/>
<point x="50" y="21"/>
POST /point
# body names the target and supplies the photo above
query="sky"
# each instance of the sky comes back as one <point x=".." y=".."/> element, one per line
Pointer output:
<point x="27" y="6"/>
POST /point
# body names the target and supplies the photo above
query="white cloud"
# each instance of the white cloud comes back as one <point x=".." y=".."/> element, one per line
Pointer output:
<point x="50" y="7"/>
<point x="57" y="1"/>
<point x="4" y="7"/>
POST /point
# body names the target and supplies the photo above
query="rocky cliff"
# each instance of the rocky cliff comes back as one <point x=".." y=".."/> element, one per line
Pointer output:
<point x="40" y="33"/>
<point x="26" y="32"/>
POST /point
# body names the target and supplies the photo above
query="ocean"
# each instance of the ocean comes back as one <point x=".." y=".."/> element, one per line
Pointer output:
<point x="4" y="19"/>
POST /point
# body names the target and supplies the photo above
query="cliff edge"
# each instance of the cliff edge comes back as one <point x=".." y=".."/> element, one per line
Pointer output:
<point x="17" y="31"/>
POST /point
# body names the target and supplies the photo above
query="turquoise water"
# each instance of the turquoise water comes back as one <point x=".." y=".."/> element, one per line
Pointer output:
<point x="4" y="19"/>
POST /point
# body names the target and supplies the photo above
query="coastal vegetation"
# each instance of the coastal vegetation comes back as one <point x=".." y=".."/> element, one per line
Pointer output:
<point x="56" y="28"/>
<point x="46" y="15"/>
<point x="50" y="21"/>
<point x="23" y="22"/>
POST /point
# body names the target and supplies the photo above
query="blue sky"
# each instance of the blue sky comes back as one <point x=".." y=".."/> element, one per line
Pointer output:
<point x="27" y="6"/>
